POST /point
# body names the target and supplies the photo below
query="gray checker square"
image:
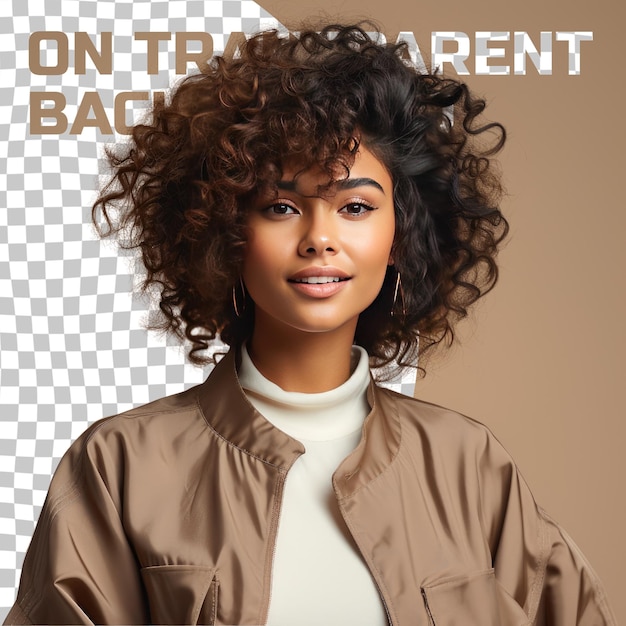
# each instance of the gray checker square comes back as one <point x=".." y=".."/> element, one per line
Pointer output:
<point x="73" y="348"/>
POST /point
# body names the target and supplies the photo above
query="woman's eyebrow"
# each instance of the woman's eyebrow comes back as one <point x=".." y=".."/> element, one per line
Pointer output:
<point x="346" y="183"/>
<point x="286" y="185"/>
<point x="351" y="183"/>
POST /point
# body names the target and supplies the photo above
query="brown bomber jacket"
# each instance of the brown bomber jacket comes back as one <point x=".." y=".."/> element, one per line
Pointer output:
<point x="168" y="514"/>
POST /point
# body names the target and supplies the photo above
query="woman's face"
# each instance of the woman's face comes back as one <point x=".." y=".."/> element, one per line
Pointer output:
<point x="316" y="257"/>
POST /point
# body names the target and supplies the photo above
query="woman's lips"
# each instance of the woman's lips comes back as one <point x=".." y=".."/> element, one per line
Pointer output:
<point x="319" y="286"/>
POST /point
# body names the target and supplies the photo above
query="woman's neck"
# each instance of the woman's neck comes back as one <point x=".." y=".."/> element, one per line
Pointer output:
<point x="303" y="361"/>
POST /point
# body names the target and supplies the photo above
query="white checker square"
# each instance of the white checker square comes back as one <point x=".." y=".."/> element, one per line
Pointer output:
<point x="25" y="447"/>
<point x="21" y="24"/>
<point x="42" y="466"/>
<point x="7" y="527"/>
<point x="9" y="395"/>
<point x="21" y="543"/>
<point x="23" y="481"/>
<point x="24" y="512"/>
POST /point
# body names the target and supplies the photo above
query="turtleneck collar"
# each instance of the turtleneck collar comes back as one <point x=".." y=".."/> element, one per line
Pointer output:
<point x="310" y="416"/>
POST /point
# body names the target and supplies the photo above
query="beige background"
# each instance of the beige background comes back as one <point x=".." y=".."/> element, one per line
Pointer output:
<point x="541" y="362"/>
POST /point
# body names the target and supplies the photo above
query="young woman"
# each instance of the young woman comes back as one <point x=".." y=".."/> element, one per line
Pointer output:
<point x="322" y="207"/>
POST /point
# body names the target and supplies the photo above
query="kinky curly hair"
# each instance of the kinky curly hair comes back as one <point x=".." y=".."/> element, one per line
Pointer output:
<point x="181" y="188"/>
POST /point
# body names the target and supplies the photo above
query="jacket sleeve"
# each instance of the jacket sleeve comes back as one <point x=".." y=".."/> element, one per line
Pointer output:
<point x="535" y="561"/>
<point x="571" y="592"/>
<point x="80" y="567"/>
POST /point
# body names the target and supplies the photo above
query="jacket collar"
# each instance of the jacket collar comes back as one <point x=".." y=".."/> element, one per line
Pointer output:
<point x="378" y="447"/>
<point x="228" y="412"/>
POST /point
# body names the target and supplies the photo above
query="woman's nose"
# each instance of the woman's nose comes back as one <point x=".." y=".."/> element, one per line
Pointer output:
<point x="319" y="237"/>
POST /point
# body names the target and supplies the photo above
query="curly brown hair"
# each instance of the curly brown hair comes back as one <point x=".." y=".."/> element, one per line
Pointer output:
<point x="181" y="187"/>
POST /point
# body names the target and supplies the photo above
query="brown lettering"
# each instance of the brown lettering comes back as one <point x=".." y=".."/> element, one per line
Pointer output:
<point x="153" y="47"/>
<point x="38" y="112"/>
<point x="120" y="109"/>
<point x="200" y="58"/>
<point x="91" y="102"/>
<point x="34" y="53"/>
<point x="103" y="60"/>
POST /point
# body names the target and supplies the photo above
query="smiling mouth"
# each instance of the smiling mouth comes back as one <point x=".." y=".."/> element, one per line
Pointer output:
<point x="318" y="280"/>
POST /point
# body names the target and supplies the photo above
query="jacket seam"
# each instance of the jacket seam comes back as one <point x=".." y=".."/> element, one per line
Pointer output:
<point x="24" y="616"/>
<point x="65" y="492"/>
<point x="69" y="492"/>
<point x="540" y="572"/>
<point x="378" y="579"/>
<point x="271" y="546"/>
<point x="393" y="458"/>
<point x="541" y="560"/>
<point x="234" y="445"/>
<point x="599" y="592"/>
<point x="66" y="498"/>
<point x="482" y="518"/>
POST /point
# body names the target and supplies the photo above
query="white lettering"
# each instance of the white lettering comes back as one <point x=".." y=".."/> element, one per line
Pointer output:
<point x="573" y="47"/>
<point x="484" y="52"/>
<point x="415" y="54"/>
<point x="541" y="59"/>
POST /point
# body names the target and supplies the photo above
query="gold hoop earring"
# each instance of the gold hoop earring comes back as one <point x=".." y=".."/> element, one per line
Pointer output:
<point x="239" y="312"/>
<point x="398" y="290"/>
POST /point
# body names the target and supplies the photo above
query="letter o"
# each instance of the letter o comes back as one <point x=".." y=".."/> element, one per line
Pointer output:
<point x="34" y="51"/>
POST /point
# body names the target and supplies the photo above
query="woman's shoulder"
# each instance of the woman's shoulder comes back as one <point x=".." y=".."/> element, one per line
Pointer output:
<point x="173" y="413"/>
<point x="445" y="428"/>
<point x="141" y="437"/>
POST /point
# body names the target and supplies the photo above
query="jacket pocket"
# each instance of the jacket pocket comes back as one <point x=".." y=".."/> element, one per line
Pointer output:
<point x="475" y="599"/>
<point x="181" y="594"/>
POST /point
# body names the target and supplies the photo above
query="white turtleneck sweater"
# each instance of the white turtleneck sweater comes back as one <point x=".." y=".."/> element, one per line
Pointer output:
<point x="318" y="576"/>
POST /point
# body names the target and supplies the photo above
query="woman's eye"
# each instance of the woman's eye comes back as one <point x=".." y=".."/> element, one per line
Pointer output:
<point x="357" y="208"/>
<point x="280" y="208"/>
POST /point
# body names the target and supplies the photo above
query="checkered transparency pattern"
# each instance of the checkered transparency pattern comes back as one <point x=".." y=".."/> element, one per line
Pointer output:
<point x="72" y="344"/>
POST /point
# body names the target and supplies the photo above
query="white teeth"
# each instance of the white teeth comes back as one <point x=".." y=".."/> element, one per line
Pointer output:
<point x="318" y="280"/>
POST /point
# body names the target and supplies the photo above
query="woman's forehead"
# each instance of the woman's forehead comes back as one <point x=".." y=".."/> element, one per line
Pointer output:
<point x="360" y="169"/>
